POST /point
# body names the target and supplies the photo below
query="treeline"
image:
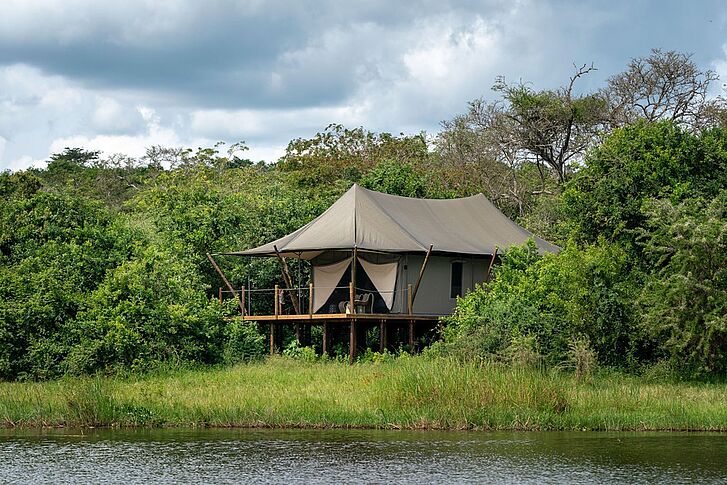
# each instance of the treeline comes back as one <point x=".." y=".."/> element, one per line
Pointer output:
<point x="103" y="268"/>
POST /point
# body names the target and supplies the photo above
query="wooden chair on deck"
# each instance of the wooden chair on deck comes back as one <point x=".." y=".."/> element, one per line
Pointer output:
<point x="363" y="303"/>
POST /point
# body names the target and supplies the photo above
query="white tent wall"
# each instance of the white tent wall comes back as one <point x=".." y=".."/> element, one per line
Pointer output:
<point x="433" y="297"/>
<point x="325" y="279"/>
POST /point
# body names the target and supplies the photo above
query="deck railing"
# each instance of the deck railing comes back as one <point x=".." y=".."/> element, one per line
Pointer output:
<point x="298" y="300"/>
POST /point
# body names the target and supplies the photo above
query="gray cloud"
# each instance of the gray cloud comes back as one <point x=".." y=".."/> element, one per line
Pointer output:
<point x="79" y="71"/>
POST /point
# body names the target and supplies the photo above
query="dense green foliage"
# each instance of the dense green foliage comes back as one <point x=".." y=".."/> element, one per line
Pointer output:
<point x="642" y="274"/>
<point x="103" y="262"/>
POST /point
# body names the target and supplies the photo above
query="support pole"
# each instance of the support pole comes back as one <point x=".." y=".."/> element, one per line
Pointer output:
<point x="277" y="301"/>
<point x="227" y="283"/>
<point x="272" y="338"/>
<point x="352" y="342"/>
<point x="410" y="299"/>
<point x="219" y="294"/>
<point x="411" y="336"/>
<point x="489" y="267"/>
<point x="287" y="279"/>
<point x="421" y="272"/>
<point x="354" y="260"/>
<point x="326" y="338"/>
<point x="310" y="301"/>
<point x="351" y="297"/>
<point x="383" y="338"/>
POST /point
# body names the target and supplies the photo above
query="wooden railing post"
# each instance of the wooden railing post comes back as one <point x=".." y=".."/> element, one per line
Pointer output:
<point x="352" y="342"/>
<point x="351" y="297"/>
<point x="310" y="300"/>
<point x="242" y="299"/>
<point x="277" y="301"/>
<point x="410" y="299"/>
<point x="219" y="293"/>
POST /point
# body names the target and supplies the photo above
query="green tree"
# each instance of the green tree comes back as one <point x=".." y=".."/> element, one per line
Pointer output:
<point x="636" y="163"/>
<point x="148" y="310"/>
<point x="684" y="303"/>
<point x="340" y="154"/>
<point x="403" y="179"/>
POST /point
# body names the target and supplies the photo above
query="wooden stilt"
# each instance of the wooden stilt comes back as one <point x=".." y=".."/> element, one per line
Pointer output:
<point x="272" y="338"/>
<point x="306" y="334"/>
<point x="411" y="336"/>
<point x="383" y="338"/>
<point x="352" y="344"/>
<point x="326" y="339"/>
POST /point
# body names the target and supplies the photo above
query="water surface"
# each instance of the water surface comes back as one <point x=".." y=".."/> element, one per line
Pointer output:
<point x="361" y="456"/>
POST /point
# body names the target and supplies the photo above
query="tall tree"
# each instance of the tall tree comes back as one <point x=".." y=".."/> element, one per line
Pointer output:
<point x="664" y="86"/>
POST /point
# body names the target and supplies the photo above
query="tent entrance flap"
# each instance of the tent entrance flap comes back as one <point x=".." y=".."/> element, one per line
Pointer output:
<point x="383" y="276"/>
<point x="325" y="279"/>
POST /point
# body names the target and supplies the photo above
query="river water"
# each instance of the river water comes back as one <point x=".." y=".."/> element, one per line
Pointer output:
<point x="343" y="456"/>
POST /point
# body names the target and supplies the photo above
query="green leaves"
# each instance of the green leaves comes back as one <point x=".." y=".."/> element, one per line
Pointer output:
<point x="684" y="303"/>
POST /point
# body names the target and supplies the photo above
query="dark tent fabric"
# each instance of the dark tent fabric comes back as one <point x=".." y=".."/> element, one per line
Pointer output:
<point x="374" y="221"/>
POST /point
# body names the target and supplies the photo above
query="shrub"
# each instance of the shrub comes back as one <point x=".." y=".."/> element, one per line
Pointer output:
<point x="244" y="342"/>
<point x="148" y="310"/>
<point x="546" y="300"/>
<point x="684" y="303"/>
<point x="295" y="351"/>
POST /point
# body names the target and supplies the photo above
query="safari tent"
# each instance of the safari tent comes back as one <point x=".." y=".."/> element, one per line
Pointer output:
<point x="391" y="237"/>
<point x="380" y="259"/>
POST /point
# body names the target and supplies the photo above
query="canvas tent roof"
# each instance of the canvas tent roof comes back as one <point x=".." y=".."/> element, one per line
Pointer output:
<point x="374" y="221"/>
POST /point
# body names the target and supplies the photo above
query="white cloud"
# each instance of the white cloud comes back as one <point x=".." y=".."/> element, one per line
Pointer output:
<point x="110" y="116"/>
<point x="250" y="124"/>
<point x="132" y="145"/>
<point x="140" y="72"/>
<point x="720" y="67"/>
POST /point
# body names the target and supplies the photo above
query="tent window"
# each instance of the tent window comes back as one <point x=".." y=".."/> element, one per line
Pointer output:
<point x="455" y="287"/>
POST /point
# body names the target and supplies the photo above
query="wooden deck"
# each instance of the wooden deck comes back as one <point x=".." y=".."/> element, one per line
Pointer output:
<point x="320" y="318"/>
<point x="389" y="324"/>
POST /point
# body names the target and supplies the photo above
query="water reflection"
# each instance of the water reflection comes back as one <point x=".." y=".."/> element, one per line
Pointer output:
<point x="335" y="456"/>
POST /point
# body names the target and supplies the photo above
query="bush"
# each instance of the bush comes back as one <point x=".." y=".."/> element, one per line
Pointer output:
<point x="635" y="163"/>
<point x="244" y="342"/>
<point x="54" y="251"/>
<point x="684" y="303"/>
<point x="295" y="351"/>
<point x="546" y="301"/>
<point x="148" y="310"/>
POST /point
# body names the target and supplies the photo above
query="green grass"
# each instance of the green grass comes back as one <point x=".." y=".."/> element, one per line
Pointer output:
<point x="414" y="393"/>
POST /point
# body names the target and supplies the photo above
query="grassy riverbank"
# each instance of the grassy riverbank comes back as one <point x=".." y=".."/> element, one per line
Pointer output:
<point x="407" y="393"/>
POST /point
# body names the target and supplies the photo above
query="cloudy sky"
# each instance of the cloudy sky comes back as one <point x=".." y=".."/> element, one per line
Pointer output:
<point x="121" y="76"/>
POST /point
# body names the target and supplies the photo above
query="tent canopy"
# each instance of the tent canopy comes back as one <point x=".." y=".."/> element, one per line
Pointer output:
<point x="374" y="221"/>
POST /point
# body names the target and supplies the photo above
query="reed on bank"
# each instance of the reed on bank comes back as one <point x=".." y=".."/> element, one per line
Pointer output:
<point x="411" y="392"/>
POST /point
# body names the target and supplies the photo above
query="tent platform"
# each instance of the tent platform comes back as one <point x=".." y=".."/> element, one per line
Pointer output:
<point x="337" y="325"/>
<point x="320" y="318"/>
